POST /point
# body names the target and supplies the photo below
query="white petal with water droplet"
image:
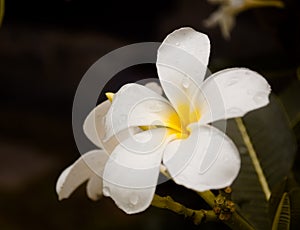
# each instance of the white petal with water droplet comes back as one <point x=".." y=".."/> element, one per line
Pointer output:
<point x="232" y="93"/>
<point x="181" y="64"/>
<point x="88" y="167"/>
<point x="135" y="105"/>
<point x="131" y="174"/>
<point x="206" y="160"/>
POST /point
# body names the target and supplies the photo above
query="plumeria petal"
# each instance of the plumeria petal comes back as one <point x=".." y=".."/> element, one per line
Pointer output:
<point x="110" y="144"/>
<point x="225" y="17"/>
<point x="232" y="93"/>
<point x="154" y="86"/>
<point x="94" y="128"/>
<point x="135" y="105"/>
<point x="94" y="187"/>
<point x="207" y="159"/>
<point x="88" y="167"/>
<point x="93" y="125"/>
<point x="131" y="173"/>
<point x="181" y="64"/>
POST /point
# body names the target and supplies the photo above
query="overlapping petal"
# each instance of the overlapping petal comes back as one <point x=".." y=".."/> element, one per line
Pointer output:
<point x="206" y="160"/>
<point x="181" y="64"/>
<point x="88" y="167"/>
<point x="94" y="129"/>
<point x="232" y="93"/>
<point x="93" y="125"/>
<point x="131" y="173"/>
<point x="154" y="86"/>
<point x="135" y="105"/>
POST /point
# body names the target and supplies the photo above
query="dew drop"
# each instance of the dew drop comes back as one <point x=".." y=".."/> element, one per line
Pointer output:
<point x="122" y="118"/>
<point x="235" y="111"/>
<point x="106" y="191"/>
<point x="259" y="97"/>
<point x="156" y="107"/>
<point x="250" y="92"/>
<point x="226" y="159"/>
<point x="134" y="199"/>
<point x="177" y="43"/>
<point x="185" y="83"/>
<point x="143" y="137"/>
<point x="232" y="81"/>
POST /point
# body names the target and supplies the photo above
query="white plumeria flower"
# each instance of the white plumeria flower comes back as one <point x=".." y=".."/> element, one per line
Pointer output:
<point x="143" y="132"/>
<point x="229" y="9"/>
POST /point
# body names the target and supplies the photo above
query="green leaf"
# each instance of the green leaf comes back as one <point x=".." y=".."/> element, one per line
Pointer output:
<point x="294" y="196"/>
<point x="282" y="218"/>
<point x="267" y="147"/>
<point x="290" y="186"/>
<point x="290" y="100"/>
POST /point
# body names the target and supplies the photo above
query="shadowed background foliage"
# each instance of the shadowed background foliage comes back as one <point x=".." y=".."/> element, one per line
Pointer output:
<point x="46" y="47"/>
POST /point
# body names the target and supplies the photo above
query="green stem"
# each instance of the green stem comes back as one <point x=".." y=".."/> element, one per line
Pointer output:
<point x="259" y="3"/>
<point x="1" y="11"/>
<point x="197" y="216"/>
<point x="236" y="221"/>
<point x="251" y="4"/>
<point x="209" y="197"/>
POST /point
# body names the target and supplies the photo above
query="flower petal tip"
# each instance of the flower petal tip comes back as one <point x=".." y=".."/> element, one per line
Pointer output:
<point x="60" y="188"/>
<point x="130" y="201"/>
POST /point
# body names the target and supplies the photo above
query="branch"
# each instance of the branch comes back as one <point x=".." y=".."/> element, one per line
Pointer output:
<point x="270" y="3"/>
<point x="1" y="11"/>
<point x="235" y="220"/>
<point x="198" y="216"/>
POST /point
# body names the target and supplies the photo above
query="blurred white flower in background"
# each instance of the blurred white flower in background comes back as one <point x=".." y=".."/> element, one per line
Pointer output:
<point x="225" y="16"/>
<point x="140" y="132"/>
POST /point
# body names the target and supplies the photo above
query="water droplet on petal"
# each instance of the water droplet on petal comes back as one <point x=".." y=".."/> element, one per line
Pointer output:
<point x="134" y="199"/>
<point x="106" y="191"/>
<point x="122" y="118"/>
<point x="259" y="97"/>
<point x="156" y="107"/>
<point x="232" y="81"/>
<point x="177" y="43"/>
<point x="143" y="137"/>
<point x="185" y="83"/>
<point x="247" y="73"/>
<point x="235" y="111"/>
<point x="226" y="159"/>
<point x="250" y="92"/>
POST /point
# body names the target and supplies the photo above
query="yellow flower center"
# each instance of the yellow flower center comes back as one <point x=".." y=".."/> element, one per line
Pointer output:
<point x="188" y="116"/>
<point x="177" y="125"/>
<point x="109" y="96"/>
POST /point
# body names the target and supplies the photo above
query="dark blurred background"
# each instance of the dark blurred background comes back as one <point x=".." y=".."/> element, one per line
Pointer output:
<point x="45" y="49"/>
